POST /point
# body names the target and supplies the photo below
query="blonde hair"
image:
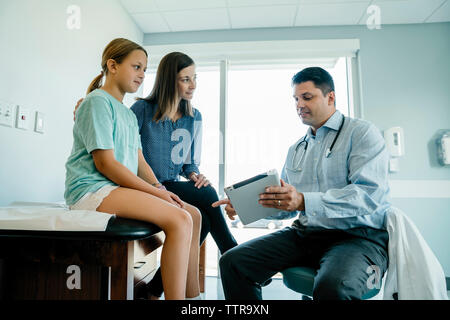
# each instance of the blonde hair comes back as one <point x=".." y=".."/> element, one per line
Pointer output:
<point x="117" y="50"/>
<point x="165" y="90"/>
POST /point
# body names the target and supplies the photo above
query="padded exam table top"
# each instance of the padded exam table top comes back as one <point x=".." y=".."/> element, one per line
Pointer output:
<point x="117" y="229"/>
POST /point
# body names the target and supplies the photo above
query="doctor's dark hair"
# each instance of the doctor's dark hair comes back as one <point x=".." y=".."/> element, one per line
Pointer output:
<point x="320" y="77"/>
<point x="117" y="50"/>
<point x="165" y="90"/>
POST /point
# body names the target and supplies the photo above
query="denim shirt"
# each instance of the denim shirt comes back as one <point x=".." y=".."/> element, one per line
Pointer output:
<point x="347" y="189"/>
<point x="172" y="149"/>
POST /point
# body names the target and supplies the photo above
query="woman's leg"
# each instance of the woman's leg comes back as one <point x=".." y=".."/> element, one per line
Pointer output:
<point x="206" y="227"/>
<point x="154" y="287"/>
<point x="202" y="199"/>
<point x="176" y="224"/>
<point x="193" y="286"/>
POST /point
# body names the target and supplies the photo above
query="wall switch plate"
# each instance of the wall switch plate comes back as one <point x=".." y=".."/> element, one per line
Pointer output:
<point x="23" y="115"/>
<point x="6" y="114"/>
<point x="394" y="165"/>
<point x="39" y="123"/>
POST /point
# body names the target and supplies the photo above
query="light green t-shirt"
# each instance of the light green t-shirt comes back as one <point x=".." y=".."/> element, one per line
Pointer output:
<point x="102" y="122"/>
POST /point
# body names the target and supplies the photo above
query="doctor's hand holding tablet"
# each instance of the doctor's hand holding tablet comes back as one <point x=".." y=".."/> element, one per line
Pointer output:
<point x="282" y="197"/>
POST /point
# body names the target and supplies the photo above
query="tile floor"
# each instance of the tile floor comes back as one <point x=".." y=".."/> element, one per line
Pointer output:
<point x="274" y="291"/>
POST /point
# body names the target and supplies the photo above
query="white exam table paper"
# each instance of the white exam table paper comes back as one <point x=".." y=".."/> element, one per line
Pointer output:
<point x="51" y="217"/>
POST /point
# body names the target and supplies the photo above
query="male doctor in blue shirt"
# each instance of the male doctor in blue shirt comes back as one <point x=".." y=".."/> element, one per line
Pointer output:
<point x="335" y="180"/>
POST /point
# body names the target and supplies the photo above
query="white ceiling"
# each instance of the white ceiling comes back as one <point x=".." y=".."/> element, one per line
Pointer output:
<point x="154" y="16"/>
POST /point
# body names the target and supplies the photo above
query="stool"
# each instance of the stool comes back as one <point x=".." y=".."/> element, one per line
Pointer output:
<point x="301" y="279"/>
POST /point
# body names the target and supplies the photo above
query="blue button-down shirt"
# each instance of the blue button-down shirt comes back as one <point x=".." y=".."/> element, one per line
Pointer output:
<point x="170" y="148"/>
<point x="347" y="189"/>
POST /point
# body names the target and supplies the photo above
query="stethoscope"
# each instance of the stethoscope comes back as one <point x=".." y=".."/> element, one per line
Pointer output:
<point x="327" y="154"/>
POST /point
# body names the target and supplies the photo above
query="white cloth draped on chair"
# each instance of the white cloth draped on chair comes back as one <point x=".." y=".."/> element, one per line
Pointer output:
<point x="414" y="271"/>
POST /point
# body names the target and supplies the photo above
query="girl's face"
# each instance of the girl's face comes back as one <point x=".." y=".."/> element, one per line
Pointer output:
<point x="131" y="72"/>
<point x="186" y="82"/>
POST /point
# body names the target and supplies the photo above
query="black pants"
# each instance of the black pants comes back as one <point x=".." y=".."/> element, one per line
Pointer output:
<point x="212" y="221"/>
<point x="342" y="258"/>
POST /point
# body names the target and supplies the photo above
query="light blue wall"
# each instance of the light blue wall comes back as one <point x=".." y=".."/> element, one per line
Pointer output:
<point x="405" y="72"/>
<point x="47" y="67"/>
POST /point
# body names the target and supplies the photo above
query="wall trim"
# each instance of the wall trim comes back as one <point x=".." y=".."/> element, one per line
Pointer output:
<point x="263" y="52"/>
<point x="420" y="188"/>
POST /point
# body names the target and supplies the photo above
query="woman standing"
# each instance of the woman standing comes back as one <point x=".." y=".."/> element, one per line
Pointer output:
<point x="171" y="132"/>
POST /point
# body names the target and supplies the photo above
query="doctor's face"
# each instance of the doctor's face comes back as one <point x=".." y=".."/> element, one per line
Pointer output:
<point x="313" y="107"/>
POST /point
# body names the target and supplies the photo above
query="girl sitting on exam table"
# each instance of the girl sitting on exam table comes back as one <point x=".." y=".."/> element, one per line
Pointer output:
<point x="107" y="172"/>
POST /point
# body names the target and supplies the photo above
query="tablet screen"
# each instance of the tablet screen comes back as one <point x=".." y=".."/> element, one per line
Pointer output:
<point x="248" y="181"/>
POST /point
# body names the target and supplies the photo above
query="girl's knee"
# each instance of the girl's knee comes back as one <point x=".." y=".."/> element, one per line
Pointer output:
<point x="186" y="218"/>
<point x="196" y="216"/>
<point x="181" y="220"/>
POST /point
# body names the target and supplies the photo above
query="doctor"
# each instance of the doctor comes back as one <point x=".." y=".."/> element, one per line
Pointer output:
<point x="335" y="180"/>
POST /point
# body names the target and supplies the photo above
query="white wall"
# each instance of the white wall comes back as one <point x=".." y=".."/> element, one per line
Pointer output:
<point x="45" y="66"/>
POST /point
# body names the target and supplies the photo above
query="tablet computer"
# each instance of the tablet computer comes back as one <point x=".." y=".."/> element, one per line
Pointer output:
<point x="244" y="196"/>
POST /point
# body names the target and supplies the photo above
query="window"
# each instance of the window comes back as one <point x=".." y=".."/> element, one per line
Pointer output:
<point x="206" y="100"/>
<point x="262" y="119"/>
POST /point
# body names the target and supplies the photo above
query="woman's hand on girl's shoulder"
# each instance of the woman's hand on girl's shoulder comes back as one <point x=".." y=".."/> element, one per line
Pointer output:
<point x="76" y="107"/>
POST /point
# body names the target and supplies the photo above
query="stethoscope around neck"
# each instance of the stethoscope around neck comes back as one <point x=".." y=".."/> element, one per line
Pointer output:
<point x="327" y="154"/>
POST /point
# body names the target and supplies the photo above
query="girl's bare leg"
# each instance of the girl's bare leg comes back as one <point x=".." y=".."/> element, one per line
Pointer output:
<point x="192" y="286"/>
<point x="176" y="224"/>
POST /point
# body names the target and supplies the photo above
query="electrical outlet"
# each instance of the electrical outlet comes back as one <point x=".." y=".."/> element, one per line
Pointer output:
<point x="23" y="115"/>
<point x="6" y="114"/>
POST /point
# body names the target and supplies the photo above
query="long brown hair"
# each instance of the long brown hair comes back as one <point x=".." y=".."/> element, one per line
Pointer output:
<point x="118" y="50"/>
<point x="165" y="91"/>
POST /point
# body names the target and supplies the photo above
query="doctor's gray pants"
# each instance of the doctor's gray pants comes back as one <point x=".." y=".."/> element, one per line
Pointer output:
<point x="341" y="258"/>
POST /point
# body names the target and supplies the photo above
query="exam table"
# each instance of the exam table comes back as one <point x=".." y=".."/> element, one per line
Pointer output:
<point x="109" y="264"/>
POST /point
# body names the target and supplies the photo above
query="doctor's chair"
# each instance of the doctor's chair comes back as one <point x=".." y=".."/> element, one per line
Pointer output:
<point x="423" y="279"/>
<point x="301" y="280"/>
